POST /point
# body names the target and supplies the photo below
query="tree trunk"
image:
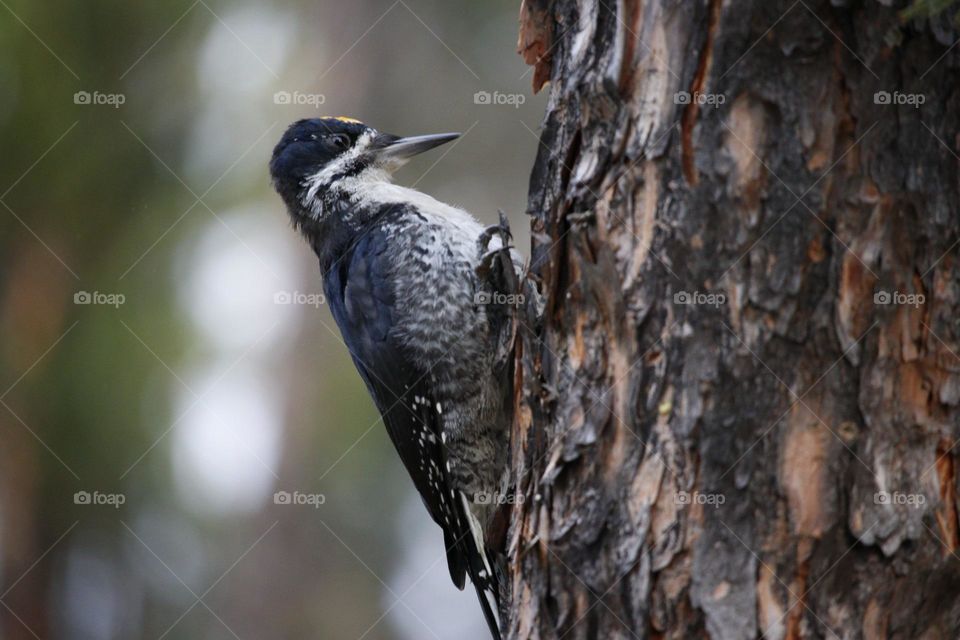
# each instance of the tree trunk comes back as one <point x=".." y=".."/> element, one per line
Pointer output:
<point x="736" y="415"/>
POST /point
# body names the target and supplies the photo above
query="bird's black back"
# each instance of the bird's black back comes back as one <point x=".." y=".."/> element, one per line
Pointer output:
<point x="357" y="283"/>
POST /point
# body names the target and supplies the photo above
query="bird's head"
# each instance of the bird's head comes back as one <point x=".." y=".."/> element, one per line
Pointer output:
<point x="322" y="158"/>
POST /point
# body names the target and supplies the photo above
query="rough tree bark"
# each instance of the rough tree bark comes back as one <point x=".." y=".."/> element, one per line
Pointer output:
<point x="737" y="415"/>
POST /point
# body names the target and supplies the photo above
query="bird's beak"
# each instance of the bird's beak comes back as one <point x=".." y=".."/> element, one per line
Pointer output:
<point x="392" y="151"/>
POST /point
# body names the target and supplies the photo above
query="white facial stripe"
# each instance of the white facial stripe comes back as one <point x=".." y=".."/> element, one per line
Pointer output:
<point x="323" y="177"/>
<point x="373" y="187"/>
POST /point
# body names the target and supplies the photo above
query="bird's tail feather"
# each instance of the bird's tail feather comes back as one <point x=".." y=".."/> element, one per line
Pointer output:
<point x="482" y="569"/>
<point x="489" y="597"/>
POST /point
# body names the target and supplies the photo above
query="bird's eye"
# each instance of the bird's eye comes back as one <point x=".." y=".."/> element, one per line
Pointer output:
<point x="340" y="142"/>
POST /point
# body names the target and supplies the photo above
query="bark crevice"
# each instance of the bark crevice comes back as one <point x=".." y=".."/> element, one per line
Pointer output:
<point x="728" y="428"/>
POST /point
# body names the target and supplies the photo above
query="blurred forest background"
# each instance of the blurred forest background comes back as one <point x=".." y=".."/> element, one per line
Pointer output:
<point x="158" y="388"/>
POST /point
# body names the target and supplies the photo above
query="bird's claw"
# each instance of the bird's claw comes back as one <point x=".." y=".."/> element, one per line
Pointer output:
<point x="501" y="229"/>
<point x="488" y="255"/>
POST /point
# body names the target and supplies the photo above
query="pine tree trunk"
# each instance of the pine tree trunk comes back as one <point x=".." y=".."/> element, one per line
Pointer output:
<point x="737" y="415"/>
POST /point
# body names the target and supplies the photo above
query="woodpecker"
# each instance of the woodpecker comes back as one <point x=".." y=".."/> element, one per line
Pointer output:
<point x="403" y="277"/>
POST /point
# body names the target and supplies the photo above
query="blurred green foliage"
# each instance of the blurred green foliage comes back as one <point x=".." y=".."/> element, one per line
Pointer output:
<point x="101" y="398"/>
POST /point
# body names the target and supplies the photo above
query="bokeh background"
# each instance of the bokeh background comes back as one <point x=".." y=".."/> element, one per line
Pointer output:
<point x="166" y="365"/>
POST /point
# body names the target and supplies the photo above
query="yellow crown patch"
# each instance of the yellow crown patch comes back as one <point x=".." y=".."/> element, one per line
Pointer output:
<point x="346" y="119"/>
